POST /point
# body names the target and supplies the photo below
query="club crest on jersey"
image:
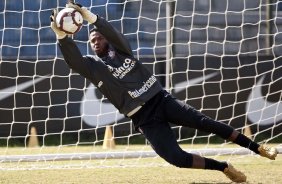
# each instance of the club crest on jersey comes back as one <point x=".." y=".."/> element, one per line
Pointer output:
<point x="112" y="54"/>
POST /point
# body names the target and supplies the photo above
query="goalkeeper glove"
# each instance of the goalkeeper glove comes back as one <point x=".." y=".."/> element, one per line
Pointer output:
<point x="86" y="14"/>
<point x="59" y="34"/>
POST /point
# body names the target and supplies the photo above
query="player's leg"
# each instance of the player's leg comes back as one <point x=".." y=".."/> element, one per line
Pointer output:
<point x="163" y="141"/>
<point x="152" y="123"/>
<point x="180" y="113"/>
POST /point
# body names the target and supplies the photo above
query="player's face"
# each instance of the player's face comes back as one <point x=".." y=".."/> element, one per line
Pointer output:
<point x="99" y="44"/>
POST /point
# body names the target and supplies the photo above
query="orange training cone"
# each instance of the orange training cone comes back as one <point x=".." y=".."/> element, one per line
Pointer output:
<point x="248" y="131"/>
<point x="33" y="140"/>
<point x="109" y="142"/>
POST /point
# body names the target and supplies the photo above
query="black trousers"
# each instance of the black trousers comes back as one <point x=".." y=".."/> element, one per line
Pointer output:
<point x="153" y="120"/>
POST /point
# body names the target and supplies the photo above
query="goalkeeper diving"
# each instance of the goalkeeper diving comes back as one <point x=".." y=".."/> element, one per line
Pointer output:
<point x="137" y="94"/>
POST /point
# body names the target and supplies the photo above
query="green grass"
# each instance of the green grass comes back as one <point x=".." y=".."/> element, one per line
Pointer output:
<point x="125" y="171"/>
<point x="257" y="169"/>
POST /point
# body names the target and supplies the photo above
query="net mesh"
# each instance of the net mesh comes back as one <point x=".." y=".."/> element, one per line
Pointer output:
<point x="222" y="57"/>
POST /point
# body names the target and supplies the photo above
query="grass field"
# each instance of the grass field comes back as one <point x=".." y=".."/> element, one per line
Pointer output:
<point x="145" y="171"/>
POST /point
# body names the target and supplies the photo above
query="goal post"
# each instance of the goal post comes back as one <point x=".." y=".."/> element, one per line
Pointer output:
<point x="223" y="57"/>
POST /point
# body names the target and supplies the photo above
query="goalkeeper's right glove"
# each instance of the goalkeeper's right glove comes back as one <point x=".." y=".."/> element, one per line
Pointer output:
<point x="59" y="34"/>
<point x="86" y="14"/>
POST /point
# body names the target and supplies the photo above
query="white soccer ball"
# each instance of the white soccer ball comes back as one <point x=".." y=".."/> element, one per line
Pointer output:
<point x="69" y="20"/>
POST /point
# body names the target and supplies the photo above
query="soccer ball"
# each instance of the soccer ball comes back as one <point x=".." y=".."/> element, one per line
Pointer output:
<point x="69" y="20"/>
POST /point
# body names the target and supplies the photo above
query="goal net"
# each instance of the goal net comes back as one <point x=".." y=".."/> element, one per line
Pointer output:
<point x="221" y="56"/>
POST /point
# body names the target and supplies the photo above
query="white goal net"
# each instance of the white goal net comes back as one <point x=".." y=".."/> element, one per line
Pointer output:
<point x="221" y="56"/>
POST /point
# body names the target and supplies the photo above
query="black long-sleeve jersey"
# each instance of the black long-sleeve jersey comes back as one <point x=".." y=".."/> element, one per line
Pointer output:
<point x="119" y="76"/>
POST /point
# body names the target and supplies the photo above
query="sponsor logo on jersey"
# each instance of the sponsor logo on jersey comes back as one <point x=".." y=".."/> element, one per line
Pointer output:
<point x="121" y="71"/>
<point x="147" y="85"/>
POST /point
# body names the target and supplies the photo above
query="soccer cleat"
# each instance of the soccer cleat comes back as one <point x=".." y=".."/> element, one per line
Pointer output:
<point x="234" y="174"/>
<point x="267" y="152"/>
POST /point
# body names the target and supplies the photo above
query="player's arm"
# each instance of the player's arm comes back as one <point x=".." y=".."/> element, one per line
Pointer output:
<point x="70" y="51"/>
<point x="73" y="57"/>
<point x="113" y="36"/>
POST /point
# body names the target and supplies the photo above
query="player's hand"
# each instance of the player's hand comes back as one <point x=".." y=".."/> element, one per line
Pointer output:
<point x="86" y="14"/>
<point x="60" y="34"/>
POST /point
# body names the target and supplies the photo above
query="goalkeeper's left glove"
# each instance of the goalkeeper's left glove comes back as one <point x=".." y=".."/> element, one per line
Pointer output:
<point x="60" y="34"/>
<point x="86" y="14"/>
